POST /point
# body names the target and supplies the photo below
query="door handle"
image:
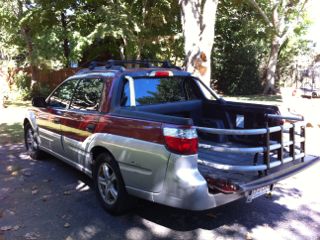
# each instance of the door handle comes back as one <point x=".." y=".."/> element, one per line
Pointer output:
<point x="91" y="127"/>
<point x="56" y="120"/>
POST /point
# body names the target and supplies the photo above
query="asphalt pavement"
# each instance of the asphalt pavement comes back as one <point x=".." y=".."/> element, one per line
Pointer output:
<point x="49" y="200"/>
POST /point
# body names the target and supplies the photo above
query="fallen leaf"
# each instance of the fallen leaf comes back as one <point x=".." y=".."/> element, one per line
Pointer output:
<point x="34" y="192"/>
<point x="44" y="198"/>
<point x="10" y="212"/>
<point x="15" y="228"/>
<point x="11" y="168"/>
<point x="249" y="236"/>
<point x="67" y="225"/>
<point x="309" y="125"/>
<point x="8" y="228"/>
<point x="26" y="173"/>
<point x="66" y="193"/>
<point x="211" y="215"/>
<point x="31" y="236"/>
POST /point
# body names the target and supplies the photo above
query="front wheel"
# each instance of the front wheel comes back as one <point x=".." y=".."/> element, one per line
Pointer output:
<point x="31" y="142"/>
<point x="109" y="185"/>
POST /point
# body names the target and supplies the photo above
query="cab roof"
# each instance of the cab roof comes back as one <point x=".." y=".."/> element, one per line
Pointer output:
<point x="113" y="68"/>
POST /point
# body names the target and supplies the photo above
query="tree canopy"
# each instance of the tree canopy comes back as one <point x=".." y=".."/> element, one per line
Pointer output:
<point x="238" y="39"/>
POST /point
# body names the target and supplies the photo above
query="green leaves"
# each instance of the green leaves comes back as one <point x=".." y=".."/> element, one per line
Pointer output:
<point x="60" y="32"/>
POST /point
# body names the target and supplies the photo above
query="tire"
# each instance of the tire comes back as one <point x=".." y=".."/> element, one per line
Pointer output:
<point x="109" y="185"/>
<point x="31" y="142"/>
<point x="314" y="95"/>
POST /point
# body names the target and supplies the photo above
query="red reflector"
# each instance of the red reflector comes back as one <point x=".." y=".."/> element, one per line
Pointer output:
<point x="182" y="145"/>
<point x="221" y="185"/>
<point x="161" y="74"/>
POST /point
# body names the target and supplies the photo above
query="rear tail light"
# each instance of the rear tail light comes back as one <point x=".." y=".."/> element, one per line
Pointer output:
<point x="181" y="141"/>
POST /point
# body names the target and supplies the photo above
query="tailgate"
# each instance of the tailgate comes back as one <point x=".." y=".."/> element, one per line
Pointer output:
<point x="234" y="167"/>
<point x="280" y="174"/>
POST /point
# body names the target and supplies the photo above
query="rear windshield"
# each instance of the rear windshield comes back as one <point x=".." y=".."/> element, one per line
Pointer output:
<point x="160" y="90"/>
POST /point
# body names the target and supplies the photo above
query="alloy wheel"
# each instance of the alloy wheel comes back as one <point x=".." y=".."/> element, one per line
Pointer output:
<point x="108" y="184"/>
<point x="30" y="140"/>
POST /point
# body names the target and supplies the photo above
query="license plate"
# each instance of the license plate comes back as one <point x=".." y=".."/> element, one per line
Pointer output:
<point x="257" y="193"/>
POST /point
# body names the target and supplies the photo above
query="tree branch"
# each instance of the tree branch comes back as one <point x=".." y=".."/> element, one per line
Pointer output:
<point x="262" y="13"/>
<point x="293" y="24"/>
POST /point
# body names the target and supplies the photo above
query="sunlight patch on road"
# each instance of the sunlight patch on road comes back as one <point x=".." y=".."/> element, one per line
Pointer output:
<point x="82" y="187"/>
<point x="136" y="233"/>
<point x="205" y="234"/>
<point x="157" y="230"/>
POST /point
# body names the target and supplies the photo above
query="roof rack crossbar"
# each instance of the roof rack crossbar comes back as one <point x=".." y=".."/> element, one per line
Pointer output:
<point x="116" y="64"/>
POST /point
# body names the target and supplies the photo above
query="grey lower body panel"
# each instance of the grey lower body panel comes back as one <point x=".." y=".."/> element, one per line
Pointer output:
<point x="186" y="188"/>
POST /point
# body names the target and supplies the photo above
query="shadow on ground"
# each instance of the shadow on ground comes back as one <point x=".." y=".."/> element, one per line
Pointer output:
<point x="61" y="204"/>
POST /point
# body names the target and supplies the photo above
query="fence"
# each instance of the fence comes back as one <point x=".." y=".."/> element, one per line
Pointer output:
<point x="48" y="78"/>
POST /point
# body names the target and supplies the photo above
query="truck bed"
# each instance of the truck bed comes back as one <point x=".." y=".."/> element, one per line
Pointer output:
<point x="238" y="142"/>
<point x="235" y="159"/>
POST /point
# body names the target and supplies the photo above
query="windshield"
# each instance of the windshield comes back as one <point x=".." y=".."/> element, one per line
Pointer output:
<point x="161" y="90"/>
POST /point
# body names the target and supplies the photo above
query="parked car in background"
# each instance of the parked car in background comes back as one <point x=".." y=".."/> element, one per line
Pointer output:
<point x="158" y="133"/>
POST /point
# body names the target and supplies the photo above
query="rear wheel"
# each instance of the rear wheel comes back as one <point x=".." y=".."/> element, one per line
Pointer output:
<point x="109" y="185"/>
<point x="31" y="142"/>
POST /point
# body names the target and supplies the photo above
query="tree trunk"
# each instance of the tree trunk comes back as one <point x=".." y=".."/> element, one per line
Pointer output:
<point x="123" y="47"/>
<point x="66" y="49"/>
<point x="272" y="67"/>
<point x="198" y="22"/>
<point x="25" y="32"/>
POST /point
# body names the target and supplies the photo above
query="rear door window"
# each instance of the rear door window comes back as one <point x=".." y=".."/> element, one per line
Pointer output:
<point x="160" y="90"/>
<point x="87" y="95"/>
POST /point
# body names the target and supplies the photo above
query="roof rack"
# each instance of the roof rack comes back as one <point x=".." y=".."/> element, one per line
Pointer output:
<point x="121" y="65"/>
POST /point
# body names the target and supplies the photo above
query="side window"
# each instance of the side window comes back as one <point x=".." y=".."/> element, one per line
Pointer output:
<point x="87" y="95"/>
<point x="62" y="96"/>
<point x="160" y="90"/>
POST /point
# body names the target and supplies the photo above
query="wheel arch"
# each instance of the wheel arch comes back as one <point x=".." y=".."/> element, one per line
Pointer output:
<point x="25" y="122"/>
<point x="30" y="118"/>
<point x="96" y="150"/>
<point x="314" y="94"/>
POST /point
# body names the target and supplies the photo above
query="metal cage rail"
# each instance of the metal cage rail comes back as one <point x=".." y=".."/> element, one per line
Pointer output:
<point x="295" y="128"/>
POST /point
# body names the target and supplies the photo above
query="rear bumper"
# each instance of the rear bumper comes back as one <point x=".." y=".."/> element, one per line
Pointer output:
<point x="186" y="188"/>
<point x="279" y="175"/>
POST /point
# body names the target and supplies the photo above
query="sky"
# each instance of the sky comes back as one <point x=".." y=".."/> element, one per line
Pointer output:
<point x="314" y="30"/>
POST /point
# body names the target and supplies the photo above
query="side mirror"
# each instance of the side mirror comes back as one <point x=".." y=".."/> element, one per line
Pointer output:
<point x="39" y="102"/>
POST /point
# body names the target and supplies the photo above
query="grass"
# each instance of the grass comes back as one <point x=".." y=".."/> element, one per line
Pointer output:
<point x="11" y="133"/>
<point x="262" y="99"/>
<point x="18" y="103"/>
<point x="11" y="118"/>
